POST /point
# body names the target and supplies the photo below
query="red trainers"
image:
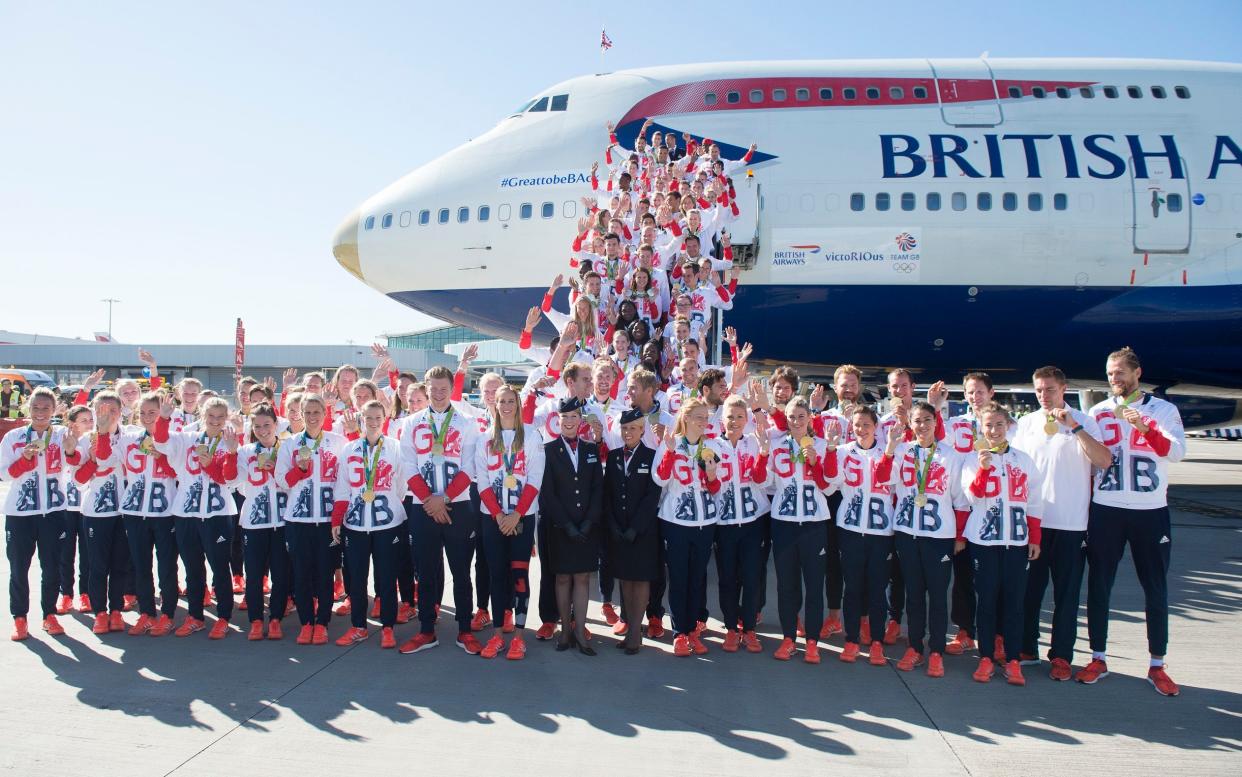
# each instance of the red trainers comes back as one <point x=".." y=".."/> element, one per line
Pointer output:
<point x="655" y="627"/>
<point x="1092" y="673"/>
<point x="352" y="636"/>
<point x="84" y="604"/>
<point x="338" y="588"/>
<point x="799" y="630"/>
<point x="189" y="626"/>
<point x="1061" y="670"/>
<point x="52" y="626"/>
<point x="239" y="584"/>
<point x="163" y="626"/>
<point x="129" y="603"/>
<point x="985" y="670"/>
<point x="20" y="631"/>
<point x="256" y="631"/>
<point x="786" y="650"/>
<point x="696" y="644"/>
<point x="63" y="605"/>
<point x="960" y="644"/>
<point x="375" y="609"/>
<point x="909" y="660"/>
<point x="467" y="642"/>
<point x="610" y="614"/>
<point x="207" y="597"/>
<point x="344" y="608"/>
<point x="864" y="630"/>
<point x="101" y="624"/>
<point x="812" y="652"/>
<point x="274" y="632"/>
<point x="493" y="646"/>
<point x="387" y="640"/>
<point x="481" y="620"/>
<point x="850" y="654"/>
<point x="699" y="628"/>
<point x="681" y="646"/>
<point x="876" y="657"/>
<point x="621" y="629"/>
<point x="546" y="632"/>
<point x="517" y="648"/>
<point x="508" y="626"/>
<point x="267" y="585"/>
<point x="243" y="605"/>
<point x="732" y="641"/>
<point x="219" y="629"/>
<point x="891" y="632"/>
<point x="406" y="613"/>
<point x="418" y="642"/>
<point x="320" y="635"/>
<point x="831" y="626"/>
<point x="143" y="626"/>
<point x="1013" y="673"/>
<point x="935" y="665"/>
<point x="306" y="634"/>
<point x="999" y="652"/>
<point x="1161" y="681"/>
<point x="116" y="621"/>
<point x="751" y="641"/>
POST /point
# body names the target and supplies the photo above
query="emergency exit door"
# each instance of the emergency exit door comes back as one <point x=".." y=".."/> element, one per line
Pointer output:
<point x="1161" y="209"/>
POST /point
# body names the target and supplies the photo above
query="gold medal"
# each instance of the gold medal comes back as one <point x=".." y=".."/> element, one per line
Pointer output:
<point x="1051" y="426"/>
<point x="147" y="446"/>
<point x="368" y="496"/>
<point x="437" y="449"/>
<point x="707" y="454"/>
<point x="201" y="450"/>
<point x="982" y="444"/>
<point x="511" y="482"/>
<point x="263" y="460"/>
<point x="40" y="445"/>
<point x="304" y="453"/>
<point x="920" y="500"/>
<point x="806" y="442"/>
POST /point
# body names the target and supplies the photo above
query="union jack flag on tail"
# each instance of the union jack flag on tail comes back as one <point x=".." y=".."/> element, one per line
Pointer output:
<point x="605" y="42"/>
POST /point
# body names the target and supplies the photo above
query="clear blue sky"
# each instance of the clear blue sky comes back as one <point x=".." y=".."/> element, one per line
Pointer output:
<point x="194" y="161"/>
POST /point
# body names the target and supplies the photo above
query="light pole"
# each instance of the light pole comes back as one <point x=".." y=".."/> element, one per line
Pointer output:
<point x="110" y="302"/>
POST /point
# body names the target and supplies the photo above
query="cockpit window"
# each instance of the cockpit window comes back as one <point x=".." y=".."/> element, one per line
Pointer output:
<point x="522" y="108"/>
<point x="560" y="102"/>
<point x="540" y="105"/>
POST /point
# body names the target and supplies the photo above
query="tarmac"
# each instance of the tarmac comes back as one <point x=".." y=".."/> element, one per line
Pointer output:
<point x="81" y="705"/>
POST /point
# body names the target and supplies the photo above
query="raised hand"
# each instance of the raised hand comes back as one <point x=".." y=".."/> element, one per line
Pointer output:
<point x="730" y="335"/>
<point x="937" y="394"/>
<point x="379" y="351"/>
<point x="93" y="380"/>
<point x="350" y="419"/>
<point x="146" y="358"/>
<point x="819" y="398"/>
<point x="269" y="383"/>
<point x="288" y="378"/>
<point x="167" y="406"/>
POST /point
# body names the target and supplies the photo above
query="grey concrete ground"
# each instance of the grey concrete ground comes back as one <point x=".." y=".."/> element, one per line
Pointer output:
<point x="141" y="706"/>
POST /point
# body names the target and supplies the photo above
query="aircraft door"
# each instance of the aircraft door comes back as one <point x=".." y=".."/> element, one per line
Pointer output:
<point x="1161" y="209"/>
<point x="967" y="93"/>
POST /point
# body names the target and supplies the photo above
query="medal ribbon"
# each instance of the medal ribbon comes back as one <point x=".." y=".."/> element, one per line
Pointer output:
<point x="438" y="435"/>
<point x="306" y="441"/>
<point x="1125" y="401"/>
<point x="47" y="436"/>
<point x="922" y="468"/>
<point x="795" y="451"/>
<point x="211" y="442"/>
<point x="370" y="466"/>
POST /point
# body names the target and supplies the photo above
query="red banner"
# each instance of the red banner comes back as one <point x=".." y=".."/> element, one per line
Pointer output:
<point x="239" y="350"/>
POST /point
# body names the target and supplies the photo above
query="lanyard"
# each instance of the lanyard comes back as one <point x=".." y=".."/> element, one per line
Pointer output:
<point x="258" y="449"/>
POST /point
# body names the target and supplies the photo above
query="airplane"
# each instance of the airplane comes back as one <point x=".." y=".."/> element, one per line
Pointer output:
<point x="942" y="215"/>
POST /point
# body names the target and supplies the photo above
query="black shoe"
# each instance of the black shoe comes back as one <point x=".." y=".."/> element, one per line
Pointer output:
<point x="633" y="651"/>
<point x="586" y="649"/>
<point x="563" y="645"/>
<point x="620" y="645"/>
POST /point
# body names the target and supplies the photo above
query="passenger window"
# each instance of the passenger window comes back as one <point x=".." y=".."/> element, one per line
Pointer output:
<point x="896" y="92"/>
<point x="387" y="221"/>
<point x="1009" y="201"/>
<point x="406" y="217"/>
<point x="1087" y="92"/>
<point x="525" y="210"/>
<point x="485" y="213"/>
<point x="959" y="201"/>
<point x="920" y="93"/>
<point x="504" y="212"/>
<point x="1034" y="201"/>
<point x="1062" y="92"/>
<point x="907" y="201"/>
<point x="756" y="95"/>
<point x="1060" y="201"/>
<point x="1182" y="92"/>
<point x="1038" y="92"/>
<point x="802" y="95"/>
<point x="881" y="201"/>
<point x="857" y="201"/>
<point x="983" y="201"/>
<point x="1158" y="92"/>
<point x="463" y="215"/>
<point x="873" y="93"/>
<point x="569" y="209"/>
<point x="560" y="102"/>
<point x="825" y="93"/>
<point x="733" y="97"/>
<point x="369" y="223"/>
<point x="933" y="200"/>
<point x="849" y="93"/>
<point x="709" y="98"/>
<point x="540" y="105"/>
<point x="1015" y="91"/>
<point x="442" y="216"/>
<point x="1134" y="91"/>
<point x="424" y="218"/>
<point x="778" y="95"/>
<point x="1173" y="202"/>
<point x="1110" y="92"/>
<point x="547" y="210"/>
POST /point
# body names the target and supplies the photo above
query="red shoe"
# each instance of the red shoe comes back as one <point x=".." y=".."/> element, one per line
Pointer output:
<point x="876" y="657"/>
<point x="699" y="628"/>
<point x="850" y="654"/>
<point x="219" y="629"/>
<point x="207" y="597"/>
<point x="935" y="665"/>
<point x="64" y="605"/>
<point x="831" y="626"/>
<point x="517" y="648"/>
<point x="732" y="641"/>
<point x="799" y="630"/>
<point x="352" y="636"/>
<point x="52" y="626"/>
<point x="681" y="646"/>
<point x="267" y="586"/>
<point x="786" y="650"/>
<point x="387" y="640"/>
<point x="163" y="626"/>
<point x="960" y="644"/>
<point x="864" y="630"/>
<point x="20" y="631"/>
<point x="84" y="604"/>
<point x="338" y="588"/>
<point x="812" y="652"/>
<point x="610" y="614"/>
<point x="984" y="673"/>
<point x="320" y="635"/>
<point x="375" y="609"/>
<point x="256" y="631"/>
<point x="1013" y="673"/>
<point x="305" y="635"/>
<point x="130" y="603"/>
<point x="116" y="622"/>
<point x="481" y="620"/>
<point x="143" y="626"/>
<point x="101" y="624"/>
<point x="189" y="626"/>
<point x="344" y="608"/>
<point x="405" y="613"/>
<point x="493" y="646"/>
<point x="242" y="605"/>
<point x="1026" y="659"/>
<point x="621" y="629"/>
<point x="508" y="626"/>
<point x="655" y="627"/>
<point x="419" y="642"/>
<point x="546" y="632"/>
<point x="891" y="632"/>
<point x="998" y="654"/>
<point x="239" y="585"/>
<point x="274" y="632"/>
<point x="751" y="641"/>
<point x="1061" y="670"/>
<point x="696" y="644"/>
<point x="1161" y="681"/>
<point x="911" y="659"/>
<point x="467" y="642"/>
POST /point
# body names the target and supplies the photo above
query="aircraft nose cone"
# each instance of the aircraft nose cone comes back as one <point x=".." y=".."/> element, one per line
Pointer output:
<point x="345" y="245"/>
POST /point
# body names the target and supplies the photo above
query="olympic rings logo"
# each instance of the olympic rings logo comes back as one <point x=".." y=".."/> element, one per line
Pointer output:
<point x="905" y="267"/>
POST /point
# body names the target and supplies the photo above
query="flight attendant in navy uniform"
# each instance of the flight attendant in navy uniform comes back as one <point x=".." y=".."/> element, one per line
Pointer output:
<point x="572" y="502"/>
<point x="631" y="512"/>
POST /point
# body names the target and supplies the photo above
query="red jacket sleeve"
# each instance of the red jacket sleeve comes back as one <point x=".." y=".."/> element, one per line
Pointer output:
<point x="665" y="467"/>
<point x="419" y="487"/>
<point x="487" y="498"/>
<point x="295" y="475"/>
<point x="778" y="418"/>
<point x="1035" y="532"/>
<point x="713" y="486"/>
<point x="338" y="513"/>
<point x="830" y="464"/>
<point x="962" y="517"/>
<point x="819" y="472"/>
<point x="528" y="408"/>
<point x="21" y="465"/>
<point x="546" y="305"/>
<point x="85" y="472"/>
<point x="939" y="428"/>
<point x="457" y="486"/>
<point x="885" y="470"/>
<point x="82" y="397"/>
<point x="161" y="430"/>
<point x="527" y="499"/>
<point x="759" y="472"/>
<point x="103" y="446"/>
<point x="459" y="385"/>
<point x="524" y="340"/>
<point x="1158" y="442"/>
<point x="978" y="486"/>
